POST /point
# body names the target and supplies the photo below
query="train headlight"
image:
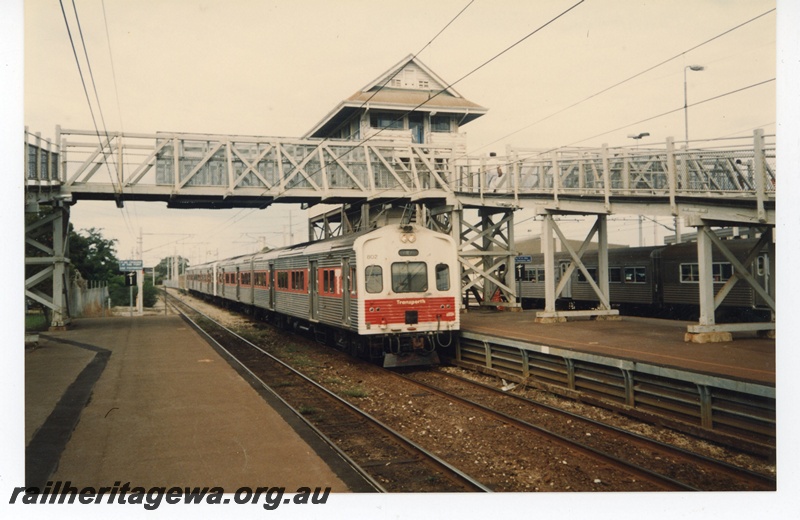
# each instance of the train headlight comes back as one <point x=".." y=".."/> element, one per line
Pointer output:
<point x="412" y="238"/>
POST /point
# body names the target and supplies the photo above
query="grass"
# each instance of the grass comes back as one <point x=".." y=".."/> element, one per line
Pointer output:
<point x="35" y="322"/>
<point x="308" y="410"/>
<point x="356" y="391"/>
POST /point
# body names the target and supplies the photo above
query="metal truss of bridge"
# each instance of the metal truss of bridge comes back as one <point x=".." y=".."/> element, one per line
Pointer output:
<point x="730" y="184"/>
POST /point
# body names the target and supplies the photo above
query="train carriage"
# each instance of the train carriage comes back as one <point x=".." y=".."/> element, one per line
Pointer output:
<point x="390" y="293"/>
<point x="658" y="281"/>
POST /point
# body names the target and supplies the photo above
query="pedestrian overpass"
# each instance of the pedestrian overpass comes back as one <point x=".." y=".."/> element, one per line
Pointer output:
<point x="724" y="183"/>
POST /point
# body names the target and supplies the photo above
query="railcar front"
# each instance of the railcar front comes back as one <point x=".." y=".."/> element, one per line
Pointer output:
<point x="408" y="293"/>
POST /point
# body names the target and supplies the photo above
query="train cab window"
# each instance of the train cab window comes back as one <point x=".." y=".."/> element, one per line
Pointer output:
<point x="373" y="278"/>
<point x="614" y="274"/>
<point x="442" y="277"/>
<point x="635" y="275"/>
<point x="409" y="277"/>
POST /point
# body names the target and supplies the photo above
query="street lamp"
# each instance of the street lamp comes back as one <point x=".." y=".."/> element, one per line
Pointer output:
<point x="695" y="68"/>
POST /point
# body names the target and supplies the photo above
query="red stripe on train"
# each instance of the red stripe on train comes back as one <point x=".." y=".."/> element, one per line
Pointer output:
<point x="393" y="310"/>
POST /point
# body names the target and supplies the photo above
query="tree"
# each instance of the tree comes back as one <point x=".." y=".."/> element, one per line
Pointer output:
<point x="164" y="267"/>
<point x="121" y="295"/>
<point x="92" y="255"/>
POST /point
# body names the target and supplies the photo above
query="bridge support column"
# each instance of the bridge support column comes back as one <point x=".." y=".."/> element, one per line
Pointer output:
<point x="47" y="247"/>
<point x="707" y="330"/>
<point x="600" y="285"/>
<point x="486" y="252"/>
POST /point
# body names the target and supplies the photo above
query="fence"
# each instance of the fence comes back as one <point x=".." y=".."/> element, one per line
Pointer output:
<point x="86" y="302"/>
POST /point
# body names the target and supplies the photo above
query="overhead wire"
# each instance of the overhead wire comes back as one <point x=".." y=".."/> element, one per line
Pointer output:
<point x="626" y="80"/>
<point x="450" y="85"/>
<point x="388" y="80"/>
<point x="88" y="98"/>
<point x="116" y="88"/>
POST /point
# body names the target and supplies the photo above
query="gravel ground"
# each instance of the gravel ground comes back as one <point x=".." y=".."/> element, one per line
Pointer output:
<point x="489" y="450"/>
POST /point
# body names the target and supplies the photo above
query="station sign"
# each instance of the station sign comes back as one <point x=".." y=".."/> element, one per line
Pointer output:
<point x="131" y="265"/>
<point x="523" y="259"/>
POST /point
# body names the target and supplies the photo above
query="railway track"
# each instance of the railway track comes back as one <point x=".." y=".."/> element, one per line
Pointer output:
<point x="666" y="466"/>
<point x="387" y="460"/>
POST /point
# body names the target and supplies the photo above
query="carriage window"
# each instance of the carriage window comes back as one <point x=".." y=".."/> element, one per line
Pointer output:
<point x="592" y="273"/>
<point x="283" y="280"/>
<point x="636" y="275"/>
<point x="260" y="279"/>
<point x="442" y="277"/>
<point x="533" y="274"/>
<point x="690" y="273"/>
<point x="298" y="280"/>
<point x="721" y="271"/>
<point x="614" y="274"/>
<point x="409" y="277"/>
<point x="373" y="279"/>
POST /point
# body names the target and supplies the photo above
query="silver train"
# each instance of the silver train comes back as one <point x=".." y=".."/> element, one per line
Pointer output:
<point x="390" y="293"/>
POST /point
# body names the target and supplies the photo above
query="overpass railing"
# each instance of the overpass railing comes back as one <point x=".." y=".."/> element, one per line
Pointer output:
<point x="83" y="163"/>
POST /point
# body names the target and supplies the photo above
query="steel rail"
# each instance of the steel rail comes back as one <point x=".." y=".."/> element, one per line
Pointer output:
<point x="410" y="445"/>
<point x="764" y="481"/>
<point x="759" y="480"/>
<point x="663" y="481"/>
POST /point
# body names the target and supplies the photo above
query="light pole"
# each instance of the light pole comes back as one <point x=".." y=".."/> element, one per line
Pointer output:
<point x="695" y="68"/>
<point x="638" y="137"/>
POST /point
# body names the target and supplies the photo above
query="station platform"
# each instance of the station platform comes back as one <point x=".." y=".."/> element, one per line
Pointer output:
<point x="645" y="340"/>
<point x="146" y="400"/>
<point x="724" y="392"/>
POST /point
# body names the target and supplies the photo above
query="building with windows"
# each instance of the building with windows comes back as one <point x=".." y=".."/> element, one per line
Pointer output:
<point x="408" y="102"/>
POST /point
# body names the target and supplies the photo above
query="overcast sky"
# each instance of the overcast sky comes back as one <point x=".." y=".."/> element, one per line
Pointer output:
<point x="275" y="68"/>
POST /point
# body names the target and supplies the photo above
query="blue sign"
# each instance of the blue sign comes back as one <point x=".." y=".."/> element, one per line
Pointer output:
<point x="131" y="265"/>
<point x="523" y="259"/>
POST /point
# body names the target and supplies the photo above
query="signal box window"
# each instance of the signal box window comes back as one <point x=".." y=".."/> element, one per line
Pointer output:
<point x="440" y="123"/>
<point x="386" y="120"/>
<point x="442" y="277"/>
<point x="409" y="277"/>
<point x="373" y="279"/>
